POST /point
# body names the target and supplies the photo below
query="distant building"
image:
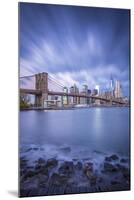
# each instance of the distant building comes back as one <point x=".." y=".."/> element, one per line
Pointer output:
<point x="112" y="85"/>
<point x="85" y="89"/>
<point x="118" y="90"/>
<point x="97" y="87"/>
<point x="89" y="92"/>
<point x="65" y="98"/>
<point x="95" y="91"/>
<point x="73" y="90"/>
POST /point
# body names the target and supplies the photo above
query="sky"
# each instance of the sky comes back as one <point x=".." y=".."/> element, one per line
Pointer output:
<point x="75" y="45"/>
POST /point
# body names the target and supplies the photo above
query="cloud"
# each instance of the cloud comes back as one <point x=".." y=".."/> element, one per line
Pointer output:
<point x="75" y="45"/>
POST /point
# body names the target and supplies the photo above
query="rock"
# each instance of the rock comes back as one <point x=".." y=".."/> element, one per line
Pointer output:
<point x="58" y="180"/>
<point x="88" y="167"/>
<point x="42" y="180"/>
<point x="75" y="159"/>
<point x="114" y="157"/>
<point x="88" y="174"/>
<point x="51" y="163"/>
<point x="125" y="171"/>
<point x="108" y="167"/>
<point x="29" y="174"/>
<point x="108" y="159"/>
<point x="23" y="163"/>
<point x="100" y="180"/>
<point x="35" y="148"/>
<point x="65" y="149"/>
<point x="41" y="161"/>
<point x="29" y="149"/>
<point x="124" y="160"/>
<point x="93" y="179"/>
<point x="79" y="165"/>
<point x="41" y="168"/>
<point x="114" y="182"/>
<point x="111" y="158"/>
<point x="67" y="168"/>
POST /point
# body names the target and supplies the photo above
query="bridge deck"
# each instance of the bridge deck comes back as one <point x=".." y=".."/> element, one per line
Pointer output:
<point x="39" y="92"/>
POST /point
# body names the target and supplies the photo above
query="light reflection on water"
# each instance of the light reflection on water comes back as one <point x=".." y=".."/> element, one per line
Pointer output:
<point x="103" y="129"/>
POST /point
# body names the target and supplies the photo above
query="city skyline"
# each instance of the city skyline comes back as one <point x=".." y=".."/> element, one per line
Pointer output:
<point x="77" y="45"/>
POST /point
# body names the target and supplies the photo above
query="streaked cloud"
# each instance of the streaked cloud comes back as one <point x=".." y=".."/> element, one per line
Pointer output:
<point x="75" y="44"/>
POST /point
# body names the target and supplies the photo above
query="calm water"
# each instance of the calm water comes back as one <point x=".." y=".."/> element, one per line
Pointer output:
<point x="99" y="129"/>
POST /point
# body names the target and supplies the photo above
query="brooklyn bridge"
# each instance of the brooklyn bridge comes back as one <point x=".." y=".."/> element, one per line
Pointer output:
<point x="43" y="86"/>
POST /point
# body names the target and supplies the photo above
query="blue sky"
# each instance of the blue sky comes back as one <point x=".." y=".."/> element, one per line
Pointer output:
<point x="80" y="45"/>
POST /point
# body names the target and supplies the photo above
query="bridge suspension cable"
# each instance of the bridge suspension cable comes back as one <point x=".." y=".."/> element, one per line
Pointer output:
<point x="27" y="76"/>
<point x="55" y="80"/>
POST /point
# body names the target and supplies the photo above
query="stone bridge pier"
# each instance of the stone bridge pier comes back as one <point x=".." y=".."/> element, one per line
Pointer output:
<point x="41" y="83"/>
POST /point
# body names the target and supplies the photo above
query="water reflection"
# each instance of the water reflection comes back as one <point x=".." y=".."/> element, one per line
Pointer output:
<point x="104" y="129"/>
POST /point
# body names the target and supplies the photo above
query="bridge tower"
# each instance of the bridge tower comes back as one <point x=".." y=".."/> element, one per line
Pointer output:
<point x="41" y="83"/>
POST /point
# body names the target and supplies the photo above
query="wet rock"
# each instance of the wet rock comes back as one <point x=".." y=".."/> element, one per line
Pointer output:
<point x="29" y="174"/>
<point x="125" y="171"/>
<point x="114" y="182"/>
<point x="24" y="192"/>
<point x="93" y="180"/>
<point x="65" y="149"/>
<point x="23" y="163"/>
<point x="108" y="159"/>
<point x="58" y="179"/>
<point x="35" y="148"/>
<point x="100" y="179"/>
<point x="122" y="168"/>
<point x="29" y="149"/>
<point x="43" y="180"/>
<point x="41" y="161"/>
<point x="108" y="167"/>
<point x="75" y="159"/>
<point x="88" y="167"/>
<point x="79" y="165"/>
<point x="86" y="159"/>
<point x="51" y="163"/>
<point x="111" y="158"/>
<point x="114" y="157"/>
<point x="41" y="169"/>
<point x="124" y="160"/>
<point x="67" y="168"/>
<point x="89" y="173"/>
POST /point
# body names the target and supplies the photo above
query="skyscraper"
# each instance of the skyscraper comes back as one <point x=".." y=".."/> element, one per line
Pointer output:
<point x="112" y="85"/>
<point x="118" y="90"/>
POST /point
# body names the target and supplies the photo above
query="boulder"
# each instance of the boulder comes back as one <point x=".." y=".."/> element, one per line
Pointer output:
<point x="125" y="171"/>
<point x="23" y="162"/>
<point x="88" y="167"/>
<point x="41" y="169"/>
<point x="65" y="149"/>
<point x="57" y="179"/>
<point x="67" y="168"/>
<point x="114" y="182"/>
<point x="114" y="157"/>
<point x="42" y="180"/>
<point x="79" y="165"/>
<point x="35" y="148"/>
<point x="41" y="161"/>
<point x="111" y="158"/>
<point x="124" y="160"/>
<point x="93" y="180"/>
<point x="29" y="174"/>
<point x="108" y="167"/>
<point x="51" y="163"/>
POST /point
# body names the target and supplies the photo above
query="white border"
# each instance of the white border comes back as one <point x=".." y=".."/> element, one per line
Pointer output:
<point x="9" y="100"/>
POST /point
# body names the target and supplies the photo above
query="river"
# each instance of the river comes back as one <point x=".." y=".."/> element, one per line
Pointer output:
<point x="94" y="129"/>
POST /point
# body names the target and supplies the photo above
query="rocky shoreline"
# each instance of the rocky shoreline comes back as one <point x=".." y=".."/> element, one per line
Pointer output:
<point x="53" y="176"/>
